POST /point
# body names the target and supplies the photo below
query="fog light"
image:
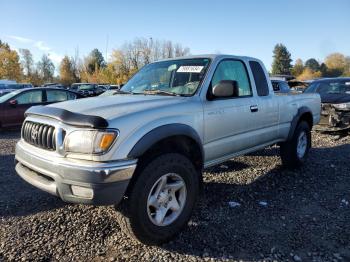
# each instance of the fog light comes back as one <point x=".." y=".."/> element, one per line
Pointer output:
<point x="82" y="192"/>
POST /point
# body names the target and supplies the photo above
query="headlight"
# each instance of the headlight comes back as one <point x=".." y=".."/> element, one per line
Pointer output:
<point x="90" y="141"/>
<point x="342" y="106"/>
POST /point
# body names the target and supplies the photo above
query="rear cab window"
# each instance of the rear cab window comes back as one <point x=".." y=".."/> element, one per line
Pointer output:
<point x="260" y="80"/>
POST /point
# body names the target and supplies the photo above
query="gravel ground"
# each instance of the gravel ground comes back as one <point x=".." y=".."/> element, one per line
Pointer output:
<point x="251" y="210"/>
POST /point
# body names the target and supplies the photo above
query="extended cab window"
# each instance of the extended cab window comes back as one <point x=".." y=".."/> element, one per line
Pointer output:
<point x="259" y="78"/>
<point x="233" y="70"/>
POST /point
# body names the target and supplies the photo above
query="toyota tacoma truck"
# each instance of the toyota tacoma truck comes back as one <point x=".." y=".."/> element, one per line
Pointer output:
<point x="143" y="149"/>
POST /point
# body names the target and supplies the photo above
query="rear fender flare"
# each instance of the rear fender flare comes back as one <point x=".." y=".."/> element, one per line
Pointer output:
<point x="302" y="110"/>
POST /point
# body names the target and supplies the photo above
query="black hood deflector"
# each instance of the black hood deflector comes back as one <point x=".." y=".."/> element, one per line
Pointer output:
<point x="68" y="117"/>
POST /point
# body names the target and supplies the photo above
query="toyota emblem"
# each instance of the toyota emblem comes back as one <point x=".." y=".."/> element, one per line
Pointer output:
<point x="34" y="133"/>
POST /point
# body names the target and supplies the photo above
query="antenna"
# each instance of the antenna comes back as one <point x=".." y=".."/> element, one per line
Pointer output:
<point x="107" y="47"/>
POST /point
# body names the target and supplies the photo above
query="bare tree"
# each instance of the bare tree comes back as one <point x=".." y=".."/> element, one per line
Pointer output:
<point x="46" y="69"/>
<point x="142" y="51"/>
<point x="26" y="61"/>
<point x="180" y="51"/>
<point x="168" y="50"/>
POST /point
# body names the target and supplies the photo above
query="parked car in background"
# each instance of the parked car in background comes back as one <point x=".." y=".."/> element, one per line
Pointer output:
<point x="56" y="85"/>
<point x="298" y="86"/>
<point x="109" y="92"/>
<point x="335" y="103"/>
<point x="104" y="87"/>
<point x="7" y="88"/>
<point x="87" y="89"/>
<point x="14" y="104"/>
<point x="115" y="87"/>
<point x="280" y="86"/>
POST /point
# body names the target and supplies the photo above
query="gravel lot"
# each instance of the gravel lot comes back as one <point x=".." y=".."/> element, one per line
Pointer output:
<point x="251" y="210"/>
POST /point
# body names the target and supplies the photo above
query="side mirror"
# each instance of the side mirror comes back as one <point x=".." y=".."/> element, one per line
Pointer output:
<point x="226" y="88"/>
<point x="13" y="102"/>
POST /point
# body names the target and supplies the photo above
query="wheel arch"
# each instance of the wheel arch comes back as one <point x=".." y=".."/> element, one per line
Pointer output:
<point x="304" y="114"/>
<point x="170" y="138"/>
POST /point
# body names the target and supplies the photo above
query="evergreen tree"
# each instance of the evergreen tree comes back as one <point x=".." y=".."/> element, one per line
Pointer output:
<point x="67" y="71"/>
<point x="94" y="61"/>
<point x="281" y="60"/>
<point x="323" y="69"/>
<point x="312" y="64"/>
<point x="298" y="68"/>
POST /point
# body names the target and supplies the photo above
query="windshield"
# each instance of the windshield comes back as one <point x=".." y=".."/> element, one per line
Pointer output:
<point x="8" y="96"/>
<point x="339" y="87"/>
<point x="177" y="77"/>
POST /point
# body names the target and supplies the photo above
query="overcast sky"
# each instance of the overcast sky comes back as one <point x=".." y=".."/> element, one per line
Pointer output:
<point x="241" y="27"/>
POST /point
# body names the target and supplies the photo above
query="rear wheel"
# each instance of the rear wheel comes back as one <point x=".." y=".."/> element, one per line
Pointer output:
<point x="294" y="152"/>
<point x="161" y="200"/>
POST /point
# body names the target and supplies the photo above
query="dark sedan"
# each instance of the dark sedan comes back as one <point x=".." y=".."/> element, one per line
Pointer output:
<point x="87" y="89"/>
<point x="14" y="104"/>
<point x="335" y="99"/>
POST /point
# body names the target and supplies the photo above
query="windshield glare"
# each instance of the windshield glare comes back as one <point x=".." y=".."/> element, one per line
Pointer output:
<point x="181" y="77"/>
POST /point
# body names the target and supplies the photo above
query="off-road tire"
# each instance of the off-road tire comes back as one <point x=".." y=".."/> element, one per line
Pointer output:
<point x="288" y="149"/>
<point x="132" y="212"/>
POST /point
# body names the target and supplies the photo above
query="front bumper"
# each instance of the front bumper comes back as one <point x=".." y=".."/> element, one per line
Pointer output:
<point x="106" y="181"/>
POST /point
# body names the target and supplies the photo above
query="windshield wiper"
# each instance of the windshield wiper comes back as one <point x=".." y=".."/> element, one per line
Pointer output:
<point x="160" y="92"/>
<point x="122" y="92"/>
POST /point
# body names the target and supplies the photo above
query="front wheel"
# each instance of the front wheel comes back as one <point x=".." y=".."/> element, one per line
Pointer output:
<point x="161" y="200"/>
<point x="294" y="152"/>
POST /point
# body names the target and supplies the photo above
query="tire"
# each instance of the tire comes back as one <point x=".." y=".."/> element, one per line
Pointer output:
<point x="137" y="218"/>
<point x="290" y="156"/>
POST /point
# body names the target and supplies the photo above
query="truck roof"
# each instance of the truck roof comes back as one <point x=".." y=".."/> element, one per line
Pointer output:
<point x="211" y="56"/>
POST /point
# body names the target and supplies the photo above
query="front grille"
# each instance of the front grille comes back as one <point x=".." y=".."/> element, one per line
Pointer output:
<point x="40" y="135"/>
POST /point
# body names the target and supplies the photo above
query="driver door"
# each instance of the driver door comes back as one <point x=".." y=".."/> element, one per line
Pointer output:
<point x="24" y="100"/>
<point x="229" y="123"/>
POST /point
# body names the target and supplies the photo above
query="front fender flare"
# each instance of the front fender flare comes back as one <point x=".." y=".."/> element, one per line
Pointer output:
<point x="162" y="132"/>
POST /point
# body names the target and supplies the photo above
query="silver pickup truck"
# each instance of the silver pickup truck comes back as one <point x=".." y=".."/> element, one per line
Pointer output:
<point x="144" y="147"/>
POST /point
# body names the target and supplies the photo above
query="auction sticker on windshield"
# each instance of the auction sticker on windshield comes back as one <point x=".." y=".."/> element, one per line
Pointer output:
<point x="190" y="69"/>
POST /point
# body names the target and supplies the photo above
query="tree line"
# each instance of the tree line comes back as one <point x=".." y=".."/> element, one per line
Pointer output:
<point x="132" y="55"/>
<point x="334" y="65"/>
<point x="121" y="65"/>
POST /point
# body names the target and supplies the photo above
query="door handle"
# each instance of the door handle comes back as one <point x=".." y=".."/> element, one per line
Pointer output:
<point x="254" y="108"/>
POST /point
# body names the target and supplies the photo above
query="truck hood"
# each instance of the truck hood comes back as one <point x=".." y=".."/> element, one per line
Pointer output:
<point x="110" y="107"/>
<point x="335" y="98"/>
